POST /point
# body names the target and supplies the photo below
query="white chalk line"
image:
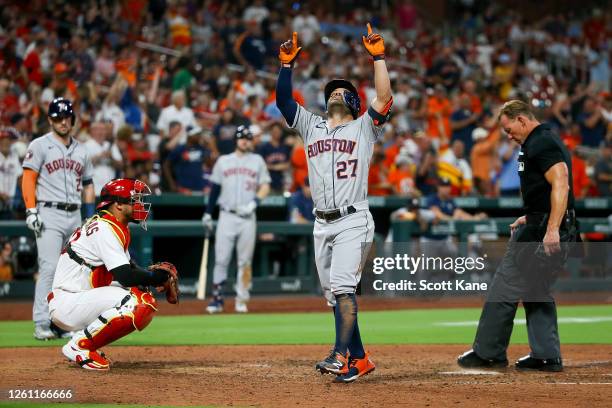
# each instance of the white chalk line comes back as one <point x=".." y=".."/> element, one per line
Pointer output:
<point x="564" y="320"/>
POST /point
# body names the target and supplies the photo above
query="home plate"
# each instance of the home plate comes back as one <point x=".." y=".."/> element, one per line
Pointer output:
<point x="470" y="372"/>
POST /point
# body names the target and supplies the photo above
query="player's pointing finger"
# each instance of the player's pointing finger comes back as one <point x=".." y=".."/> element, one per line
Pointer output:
<point x="294" y="39"/>
<point x="369" y="29"/>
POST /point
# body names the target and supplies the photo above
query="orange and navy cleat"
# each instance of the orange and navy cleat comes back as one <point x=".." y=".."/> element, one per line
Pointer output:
<point x="357" y="367"/>
<point x="89" y="360"/>
<point x="335" y="363"/>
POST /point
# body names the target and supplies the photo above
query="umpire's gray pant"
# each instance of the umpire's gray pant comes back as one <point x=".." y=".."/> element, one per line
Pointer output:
<point x="497" y="318"/>
<point x="235" y="232"/>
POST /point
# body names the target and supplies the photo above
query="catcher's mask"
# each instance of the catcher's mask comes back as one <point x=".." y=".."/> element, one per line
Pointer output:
<point x="350" y="97"/>
<point x="128" y="191"/>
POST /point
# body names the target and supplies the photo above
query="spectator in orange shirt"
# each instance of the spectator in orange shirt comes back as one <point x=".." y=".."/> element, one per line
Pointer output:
<point x="469" y="89"/>
<point x="482" y="157"/>
<point x="378" y="185"/>
<point x="581" y="181"/>
<point x="401" y="177"/>
<point x="439" y="110"/>
<point x="298" y="163"/>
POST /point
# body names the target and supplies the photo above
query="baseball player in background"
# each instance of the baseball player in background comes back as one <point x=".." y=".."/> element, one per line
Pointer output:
<point x="57" y="175"/>
<point x="240" y="180"/>
<point x="339" y="150"/>
<point x="94" y="289"/>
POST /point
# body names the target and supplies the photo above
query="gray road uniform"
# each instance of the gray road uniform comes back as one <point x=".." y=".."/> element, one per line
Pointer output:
<point x="61" y="173"/>
<point x="239" y="178"/>
<point x="338" y="167"/>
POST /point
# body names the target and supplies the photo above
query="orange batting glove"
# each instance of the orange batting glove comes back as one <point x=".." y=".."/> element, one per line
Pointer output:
<point x="289" y="50"/>
<point x="375" y="44"/>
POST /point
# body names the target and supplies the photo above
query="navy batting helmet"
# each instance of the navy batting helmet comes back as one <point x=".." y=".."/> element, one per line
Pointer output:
<point x="61" y="108"/>
<point x="351" y="98"/>
<point x="243" y="132"/>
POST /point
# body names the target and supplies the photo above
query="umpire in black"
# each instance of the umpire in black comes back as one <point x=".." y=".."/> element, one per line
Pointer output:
<point x="527" y="271"/>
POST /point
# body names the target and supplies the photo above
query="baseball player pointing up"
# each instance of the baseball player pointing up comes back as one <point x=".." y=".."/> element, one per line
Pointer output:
<point x="57" y="175"/>
<point x="240" y="180"/>
<point x="339" y="149"/>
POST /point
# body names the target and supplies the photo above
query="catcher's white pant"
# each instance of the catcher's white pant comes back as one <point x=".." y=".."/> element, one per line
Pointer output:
<point x="74" y="311"/>
<point x="235" y="232"/>
<point x="340" y="247"/>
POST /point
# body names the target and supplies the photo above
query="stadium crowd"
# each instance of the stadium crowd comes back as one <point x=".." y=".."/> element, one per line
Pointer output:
<point x="160" y="86"/>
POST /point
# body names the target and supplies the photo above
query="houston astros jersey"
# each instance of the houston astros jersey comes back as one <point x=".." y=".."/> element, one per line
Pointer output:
<point x="239" y="178"/>
<point x="338" y="158"/>
<point x="61" y="170"/>
<point x="102" y="242"/>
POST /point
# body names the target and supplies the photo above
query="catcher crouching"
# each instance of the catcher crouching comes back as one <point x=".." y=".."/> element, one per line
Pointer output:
<point x="98" y="292"/>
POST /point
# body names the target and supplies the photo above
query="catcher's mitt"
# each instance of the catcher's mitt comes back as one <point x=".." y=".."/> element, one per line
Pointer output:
<point x="170" y="287"/>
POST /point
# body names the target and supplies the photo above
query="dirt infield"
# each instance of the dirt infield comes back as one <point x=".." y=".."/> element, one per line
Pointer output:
<point x="275" y="376"/>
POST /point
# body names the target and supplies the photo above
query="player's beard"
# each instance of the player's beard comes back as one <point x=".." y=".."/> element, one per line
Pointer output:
<point x="248" y="148"/>
<point x="336" y="107"/>
<point x="60" y="133"/>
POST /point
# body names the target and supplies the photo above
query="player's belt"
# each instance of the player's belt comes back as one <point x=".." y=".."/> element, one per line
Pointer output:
<point x="76" y="258"/>
<point x="539" y="218"/>
<point x="61" y="206"/>
<point x="333" y="215"/>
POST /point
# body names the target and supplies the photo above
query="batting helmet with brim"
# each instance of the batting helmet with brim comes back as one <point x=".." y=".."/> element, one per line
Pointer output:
<point x="127" y="191"/>
<point x="61" y="108"/>
<point x="351" y="98"/>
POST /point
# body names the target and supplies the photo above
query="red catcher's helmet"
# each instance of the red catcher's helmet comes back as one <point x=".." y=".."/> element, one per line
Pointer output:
<point x="127" y="191"/>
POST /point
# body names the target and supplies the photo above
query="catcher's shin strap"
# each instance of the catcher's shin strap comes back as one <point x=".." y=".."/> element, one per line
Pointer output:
<point x="333" y="215"/>
<point x="76" y="258"/>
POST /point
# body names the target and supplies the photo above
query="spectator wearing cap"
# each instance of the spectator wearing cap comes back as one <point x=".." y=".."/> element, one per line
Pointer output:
<point x="99" y="149"/>
<point x="592" y="123"/>
<point x="225" y="129"/>
<point x="10" y="171"/>
<point x="61" y="85"/>
<point x="184" y="168"/>
<point x="483" y="157"/>
<point x="453" y="166"/>
<point x="401" y="177"/>
<point x="276" y="154"/>
<point x="603" y="170"/>
<point x="176" y="111"/>
<point x="439" y="207"/>
<point x="463" y="121"/>
<point x="301" y="206"/>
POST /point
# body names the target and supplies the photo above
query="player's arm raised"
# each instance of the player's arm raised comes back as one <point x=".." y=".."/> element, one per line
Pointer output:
<point x="288" y="53"/>
<point x="375" y="45"/>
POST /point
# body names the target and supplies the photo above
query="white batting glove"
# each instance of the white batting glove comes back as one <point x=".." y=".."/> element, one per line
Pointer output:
<point x="207" y="221"/>
<point x="247" y="209"/>
<point x="33" y="221"/>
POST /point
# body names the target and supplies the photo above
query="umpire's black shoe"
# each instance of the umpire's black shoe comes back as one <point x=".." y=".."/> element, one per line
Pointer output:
<point x="530" y="363"/>
<point x="470" y="359"/>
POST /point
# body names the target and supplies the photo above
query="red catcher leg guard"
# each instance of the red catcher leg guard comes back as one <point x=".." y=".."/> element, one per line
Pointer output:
<point x="135" y="312"/>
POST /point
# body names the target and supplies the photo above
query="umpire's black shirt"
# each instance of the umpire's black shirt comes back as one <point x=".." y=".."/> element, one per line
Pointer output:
<point x="541" y="150"/>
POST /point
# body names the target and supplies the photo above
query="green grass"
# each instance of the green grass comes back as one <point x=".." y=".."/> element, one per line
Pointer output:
<point x="385" y="327"/>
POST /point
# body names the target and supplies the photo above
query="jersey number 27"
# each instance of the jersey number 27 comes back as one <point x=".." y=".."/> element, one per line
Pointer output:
<point x="342" y="169"/>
